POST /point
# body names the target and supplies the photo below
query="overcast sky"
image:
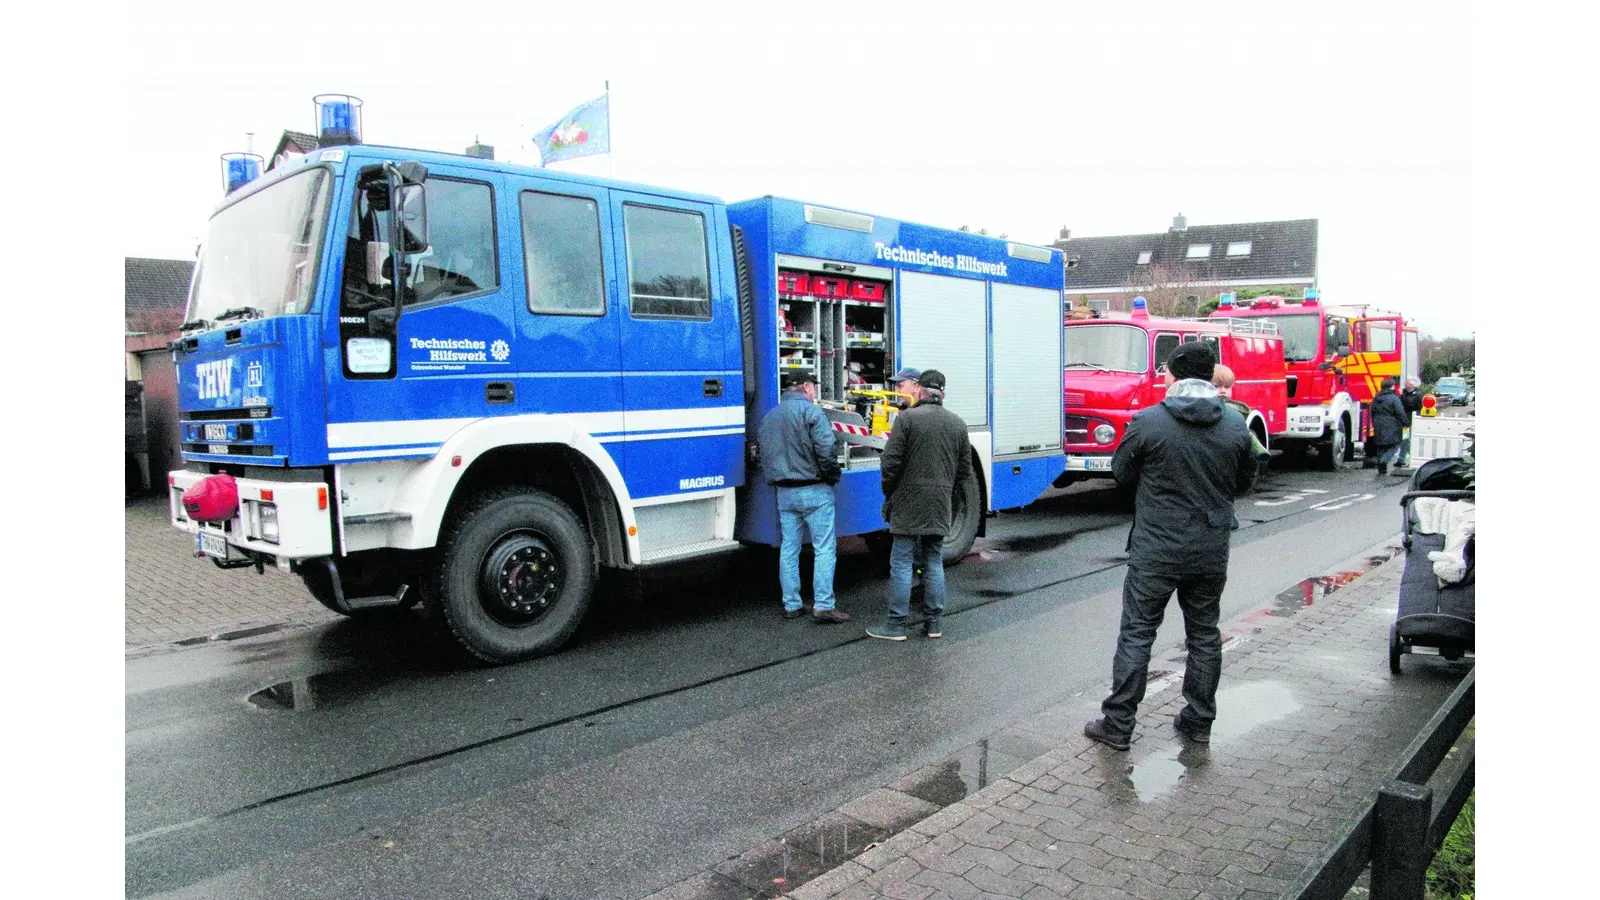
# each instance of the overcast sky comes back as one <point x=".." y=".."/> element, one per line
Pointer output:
<point x="1021" y="118"/>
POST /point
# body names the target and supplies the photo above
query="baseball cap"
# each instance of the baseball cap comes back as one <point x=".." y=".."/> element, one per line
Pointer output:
<point x="907" y="374"/>
<point x="793" y="380"/>
<point x="933" y="378"/>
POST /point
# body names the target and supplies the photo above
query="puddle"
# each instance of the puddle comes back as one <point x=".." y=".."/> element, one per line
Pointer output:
<point x="940" y="785"/>
<point x="1245" y="707"/>
<point x="231" y="635"/>
<point x="322" y="691"/>
<point x="1152" y="777"/>
<point x="299" y="694"/>
<point x="1291" y="600"/>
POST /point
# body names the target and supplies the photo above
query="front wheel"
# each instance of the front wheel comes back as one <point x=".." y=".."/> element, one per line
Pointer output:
<point x="966" y="511"/>
<point x="517" y="571"/>
<point x="1335" y="448"/>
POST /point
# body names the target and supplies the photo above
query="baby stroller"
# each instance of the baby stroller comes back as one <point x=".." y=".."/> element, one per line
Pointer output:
<point x="1432" y="616"/>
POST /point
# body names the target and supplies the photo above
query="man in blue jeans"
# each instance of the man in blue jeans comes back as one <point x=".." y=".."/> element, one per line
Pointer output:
<point x="798" y="456"/>
<point x="927" y="459"/>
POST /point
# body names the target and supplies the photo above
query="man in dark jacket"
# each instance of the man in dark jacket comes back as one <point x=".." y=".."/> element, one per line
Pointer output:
<point x="1187" y="459"/>
<point x="1389" y="422"/>
<point x="927" y="459"/>
<point x="1411" y="399"/>
<point x="797" y="455"/>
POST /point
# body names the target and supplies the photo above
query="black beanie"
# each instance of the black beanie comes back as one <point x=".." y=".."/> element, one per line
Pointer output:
<point x="1192" y="360"/>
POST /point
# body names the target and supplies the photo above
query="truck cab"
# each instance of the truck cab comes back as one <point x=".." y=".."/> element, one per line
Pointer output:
<point x="1117" y="366"/>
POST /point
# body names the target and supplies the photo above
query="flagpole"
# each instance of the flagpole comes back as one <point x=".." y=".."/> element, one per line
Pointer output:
<point x="610" y="142"/>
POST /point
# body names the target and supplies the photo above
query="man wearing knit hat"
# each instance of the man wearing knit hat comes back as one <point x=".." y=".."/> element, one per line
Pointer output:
<point x="1186" y="459"/>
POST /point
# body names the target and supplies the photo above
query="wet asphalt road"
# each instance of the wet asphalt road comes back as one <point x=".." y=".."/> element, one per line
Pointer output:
<point x="668" y="736"/>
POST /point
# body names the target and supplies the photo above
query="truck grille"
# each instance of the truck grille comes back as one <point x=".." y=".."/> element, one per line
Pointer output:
<point x="211" y="415"/>
<point x="232" y="449"/>
<point x="1075" y="398"/>
<point x="1077" y="430"/>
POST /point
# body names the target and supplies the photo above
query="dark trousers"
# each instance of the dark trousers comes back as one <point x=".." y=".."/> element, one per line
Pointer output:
<point x="1144" y="602"/>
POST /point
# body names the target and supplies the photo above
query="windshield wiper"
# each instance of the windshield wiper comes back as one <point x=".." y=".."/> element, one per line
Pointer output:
<point x="248" y="312"/>
<point x="1090" y="365"/>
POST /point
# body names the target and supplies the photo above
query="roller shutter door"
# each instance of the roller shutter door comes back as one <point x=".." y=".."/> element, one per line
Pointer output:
<point x="1027" y="369"/>
<point x="943" y="326"/>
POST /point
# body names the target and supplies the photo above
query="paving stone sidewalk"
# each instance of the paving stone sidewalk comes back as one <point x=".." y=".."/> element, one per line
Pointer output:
<point x="172" y="596"/>
<point x="1310" y="723"/>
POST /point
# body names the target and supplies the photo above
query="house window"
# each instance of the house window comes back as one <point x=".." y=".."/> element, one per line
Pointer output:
<point x="1144" y="257"/>
<point x="1239" y="248"/>
<point x="1199" y="251"/>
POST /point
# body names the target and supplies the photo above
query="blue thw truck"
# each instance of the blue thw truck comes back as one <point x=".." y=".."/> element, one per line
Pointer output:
<point x="410" y="375"/>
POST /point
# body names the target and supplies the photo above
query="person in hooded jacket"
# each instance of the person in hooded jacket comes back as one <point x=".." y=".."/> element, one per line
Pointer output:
<point x="1186" y="460"/>
<point x="1389" y="422"/>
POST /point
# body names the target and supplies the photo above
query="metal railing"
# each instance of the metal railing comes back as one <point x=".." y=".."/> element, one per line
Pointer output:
<point x="1399" y="833"/>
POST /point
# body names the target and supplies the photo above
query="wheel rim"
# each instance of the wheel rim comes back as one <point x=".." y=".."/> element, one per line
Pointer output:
<point x="520" y="580"/>
<point x="1337" y="450"/>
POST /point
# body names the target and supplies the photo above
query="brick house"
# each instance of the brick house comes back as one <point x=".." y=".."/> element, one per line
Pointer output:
<point x="1183" y="267"/>
<point x="155" y="293"/>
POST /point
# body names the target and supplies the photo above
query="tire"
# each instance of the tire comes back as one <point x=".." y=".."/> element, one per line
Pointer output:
<point x="965" y="514"/>
<point x="516" y="574"/>
<point x="1394" y="649"/>
<point x="1334" y="451"/>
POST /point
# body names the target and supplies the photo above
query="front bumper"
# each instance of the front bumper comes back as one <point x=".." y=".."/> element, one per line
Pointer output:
<point x="305" y="527"/>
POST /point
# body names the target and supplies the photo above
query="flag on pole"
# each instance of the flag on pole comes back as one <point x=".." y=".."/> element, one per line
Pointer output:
<point x="585" y="131"/>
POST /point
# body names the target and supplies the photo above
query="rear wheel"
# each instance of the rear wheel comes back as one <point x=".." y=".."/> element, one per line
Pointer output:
<point x="516" y="575"/>
<point x="966" y="511"/>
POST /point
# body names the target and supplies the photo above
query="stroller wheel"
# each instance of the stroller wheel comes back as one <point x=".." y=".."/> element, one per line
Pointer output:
<point x="1394" y="649"/>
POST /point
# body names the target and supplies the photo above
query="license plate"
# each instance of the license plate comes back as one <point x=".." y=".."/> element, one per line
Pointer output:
<point x="218" y="448"/>
<point x="1090" y="464"/>
<point x="214" y="545"/>
<point x="216" y="432"/>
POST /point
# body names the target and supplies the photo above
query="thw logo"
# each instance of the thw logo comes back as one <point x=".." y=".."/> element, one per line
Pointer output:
<point x="214" y="379"/>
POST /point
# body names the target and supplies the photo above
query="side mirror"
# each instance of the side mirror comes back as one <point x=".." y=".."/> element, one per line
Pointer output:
<point x="413" y="216"/>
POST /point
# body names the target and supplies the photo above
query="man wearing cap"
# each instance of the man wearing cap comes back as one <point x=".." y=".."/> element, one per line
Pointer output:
<point x="1389" y="421"/>
<point x="1186" y="459"/>
<point x="797" y="455"/>
<point x="928" y="457"/>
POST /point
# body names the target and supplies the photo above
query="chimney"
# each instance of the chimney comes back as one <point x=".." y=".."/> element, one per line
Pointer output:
<point x="1066" y="233"/>
<point x="481" y="151"/>
<point x="1179" y="223"/>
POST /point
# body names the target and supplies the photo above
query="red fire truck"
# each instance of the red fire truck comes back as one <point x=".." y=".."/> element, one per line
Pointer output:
<point x="1117" y="366"/>
<point x="1336" y="359"/>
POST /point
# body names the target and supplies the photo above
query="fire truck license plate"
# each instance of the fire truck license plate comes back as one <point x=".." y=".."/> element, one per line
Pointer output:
<point x="216" y="432"/>
<point x="214" y="545"/>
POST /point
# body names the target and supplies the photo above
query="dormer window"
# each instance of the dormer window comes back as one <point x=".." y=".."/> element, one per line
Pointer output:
<point x="1239" y="248"/>
<point x="1199" y="251"/>
<point x="1144" y="257"/>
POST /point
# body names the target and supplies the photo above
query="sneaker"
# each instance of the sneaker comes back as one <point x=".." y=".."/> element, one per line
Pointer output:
<point x="1200" y="734"/>
<point x="1099" y="731"/>
<point x="830" y="616"/>
<point x="932" y="629"/>
<point x="795" y="613"/>
<point x="887" y="632"/>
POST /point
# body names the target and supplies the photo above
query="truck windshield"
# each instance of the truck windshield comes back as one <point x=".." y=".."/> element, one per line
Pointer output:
<point x="1300" y="333"/>
<point x="261" y="253"/>
<point x="1120" y="348"/>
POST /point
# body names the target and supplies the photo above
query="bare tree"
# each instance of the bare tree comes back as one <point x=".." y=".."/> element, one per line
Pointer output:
<point x="1170" y="289"/>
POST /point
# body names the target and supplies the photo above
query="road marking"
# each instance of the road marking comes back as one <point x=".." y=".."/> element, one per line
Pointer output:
<point x="1349" y="500"/>
<point x="1294" y="497"/>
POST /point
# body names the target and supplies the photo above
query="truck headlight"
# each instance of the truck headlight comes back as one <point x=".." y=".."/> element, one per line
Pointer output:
<point x="269" y="522"/>
<point x="1104" y="434"/>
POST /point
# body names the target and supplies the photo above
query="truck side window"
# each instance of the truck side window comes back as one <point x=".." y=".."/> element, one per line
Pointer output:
<point x="561" y="249"/>
<point x="668" y="269"/>
<point x="460" y="258"/>
<point x="1165" y="344"/>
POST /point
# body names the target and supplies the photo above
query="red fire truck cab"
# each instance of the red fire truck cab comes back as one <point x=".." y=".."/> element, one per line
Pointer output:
<point x="1117" y="366"/>
<point x="1336" y="358"/>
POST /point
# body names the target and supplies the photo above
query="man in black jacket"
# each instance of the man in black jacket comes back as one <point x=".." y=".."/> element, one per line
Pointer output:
<point x="1187" y="459"/>
<point x="797" y="455"/>
<point x="1389" y="422"/>
<point x="927" y="459"/>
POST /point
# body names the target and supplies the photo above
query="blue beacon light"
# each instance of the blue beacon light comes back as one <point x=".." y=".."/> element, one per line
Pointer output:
<point x="1139" y="303"/>
<point x="338" y="119"/>
<point x="239" y="169"/>
<point x="1310" y="295"/>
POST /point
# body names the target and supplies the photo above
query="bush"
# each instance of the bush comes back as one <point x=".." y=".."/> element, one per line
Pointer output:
<point x="1450" y="877"/>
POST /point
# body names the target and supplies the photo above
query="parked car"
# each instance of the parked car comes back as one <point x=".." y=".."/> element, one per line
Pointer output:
<point x="1455" y="389"/>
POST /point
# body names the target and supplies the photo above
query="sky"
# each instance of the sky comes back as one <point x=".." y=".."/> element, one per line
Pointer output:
<point x="1021" y="118"/>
